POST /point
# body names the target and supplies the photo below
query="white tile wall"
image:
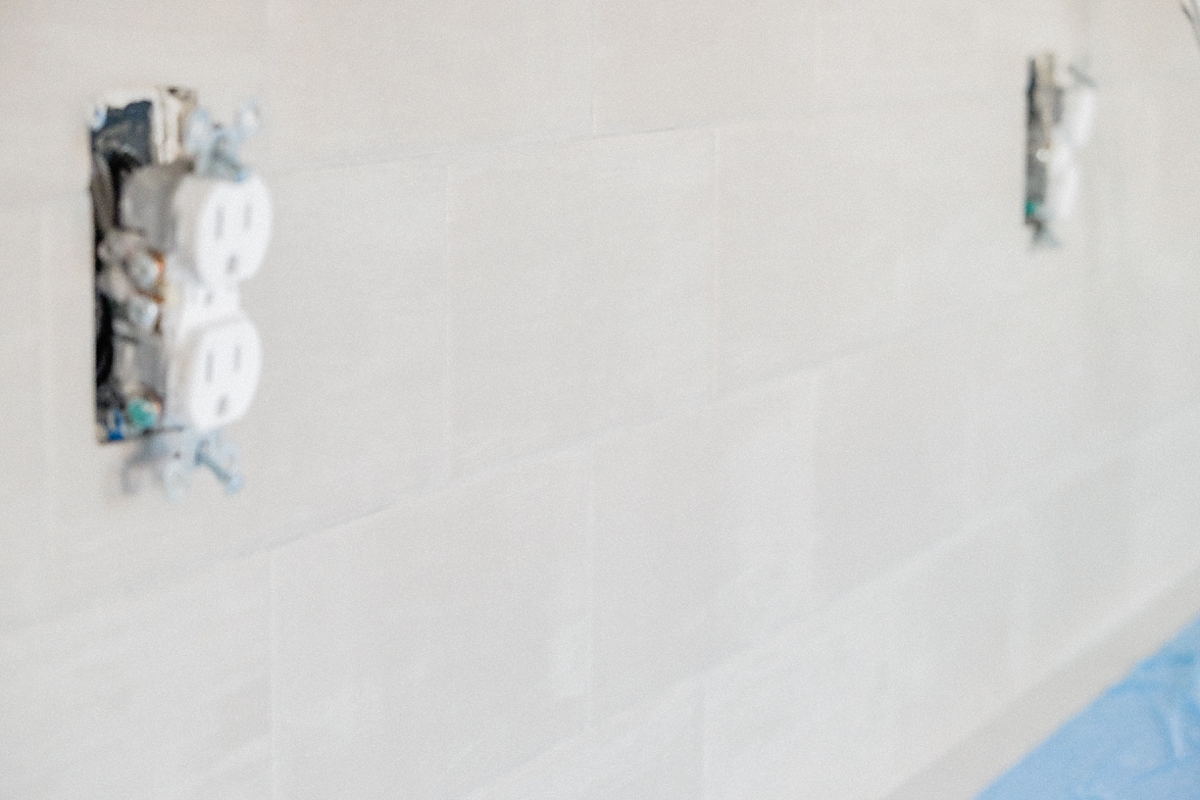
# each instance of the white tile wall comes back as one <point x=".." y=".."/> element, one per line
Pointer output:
<point x="580" y="291"/>
<point x="363" y="376"/>
<point x="675" y="63"/>
<point x="1162" y="507"/>
<point x="806" y="713"/>
<point x="57" y="58"/>
<point x="1043" y="388"/>
<point x="661" y="399"/>
<point x="876" y="53"/>
<point x="1077" y="561"/>
<point x="951" y="631"/>
<point x="23" y="493"/>
<point x="703" y="533"/>
<point x="163" y="694"/>
<point x="1135" y="43"/>
<point x="371" y="79"/>
<point x="807" y="242"/>
<point x="425" y="649"/>
<point x="889" y="470"/>
<point x="654" y="751"/>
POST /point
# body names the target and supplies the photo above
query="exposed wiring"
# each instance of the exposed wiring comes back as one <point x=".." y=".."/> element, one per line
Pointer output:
<point x="1192" y="11"/>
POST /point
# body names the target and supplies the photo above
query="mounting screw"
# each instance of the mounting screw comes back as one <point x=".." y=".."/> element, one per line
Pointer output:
<point x="233" y="480"/>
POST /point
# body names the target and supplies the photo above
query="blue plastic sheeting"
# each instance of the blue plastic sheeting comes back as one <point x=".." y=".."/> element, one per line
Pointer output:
<point x="1139" y="741"/>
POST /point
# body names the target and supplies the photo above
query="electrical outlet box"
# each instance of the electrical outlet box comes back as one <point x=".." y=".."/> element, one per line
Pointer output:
<point x="1060" y="113"/>
<point x="180" y="222"/>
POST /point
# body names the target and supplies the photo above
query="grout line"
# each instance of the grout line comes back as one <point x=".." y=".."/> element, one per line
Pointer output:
<point x="446" y="456"/>
<point x="50" y="400"/>
<point x="592" y="67"/>
<point x="591" y="527"/>
<point x="273" y="672"/>
<point x="706" y="770"/>
<point x="1062" y="471"/>
<point x="715" y="269"/>
<point x="518" y="144"/>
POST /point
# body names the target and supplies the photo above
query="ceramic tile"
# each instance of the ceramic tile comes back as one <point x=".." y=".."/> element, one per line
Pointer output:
<point x="1077" y="562"/>
<point x="164" y="694"/>
<point x="372" y="79"/>
<point x="890" y="458"/>
<point x="429" y="649"/>
<point x="653" y="753"/>
<point x="804" y="715"/>
<point x="580" y="292"/>
<point x="703" y="530"/>
<point x="952" y="629"/>
<point x="670" y="64"/>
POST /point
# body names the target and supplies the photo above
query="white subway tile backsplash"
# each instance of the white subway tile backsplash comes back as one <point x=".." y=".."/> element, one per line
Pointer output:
<point x="1077" y="562"/>
<point x="1144" y="225"/>
<point x="1142" y="209"/>
<point x="661" y="400"/>
<point x="703" y="526"/>
<point x="1150" y="337"/>
<point x="1131" y="42"/>
<point x="352" y="305"/>
<point x="78" y="59"/>
<point x="804" y="714"/>
<point x="372" y="79"/>
<point x="225" y="24"/>
<point x="24" y="494"/>
<point x="845" y="227"/>
<point x="969" y="252"/>
<point x="652" y="753"/>
<point x="428" y="649"/>
<point x="1020" y="29"/>
<point x="951" y="636"/>
<point x="1164" y="510"/>
<point x="891" y="457"/>
<point x="1043" y="389"/>
<point x="162" y="694"/>
<point x="21" y="274"/>
<point x="879" y="53"/>
<point x="799" y="276"/>
<point x="580" y="292"/>
<point x="675" y="63"/>
<point x="1148" y="245"/>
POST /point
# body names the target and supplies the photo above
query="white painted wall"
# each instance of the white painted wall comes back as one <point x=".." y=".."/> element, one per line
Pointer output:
<point x="660" y="398"/>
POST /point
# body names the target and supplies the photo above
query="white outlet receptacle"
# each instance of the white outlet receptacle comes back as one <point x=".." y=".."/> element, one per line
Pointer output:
<point x="214" y="374"/>
<point x="180" y="223"/>
<point x="1059" y="116"/>
<point x="223" y="227"/>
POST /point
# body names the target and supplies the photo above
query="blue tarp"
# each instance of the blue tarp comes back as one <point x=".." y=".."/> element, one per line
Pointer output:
<point x="1139" y="741"/>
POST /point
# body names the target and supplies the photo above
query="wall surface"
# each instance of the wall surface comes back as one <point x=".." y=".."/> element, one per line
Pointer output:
<point x="661" y="399"/>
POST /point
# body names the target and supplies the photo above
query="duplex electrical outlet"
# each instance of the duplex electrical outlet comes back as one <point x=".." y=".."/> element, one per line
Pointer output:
<point x="1060" y="112"/>
<point x="180" y="223"/>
